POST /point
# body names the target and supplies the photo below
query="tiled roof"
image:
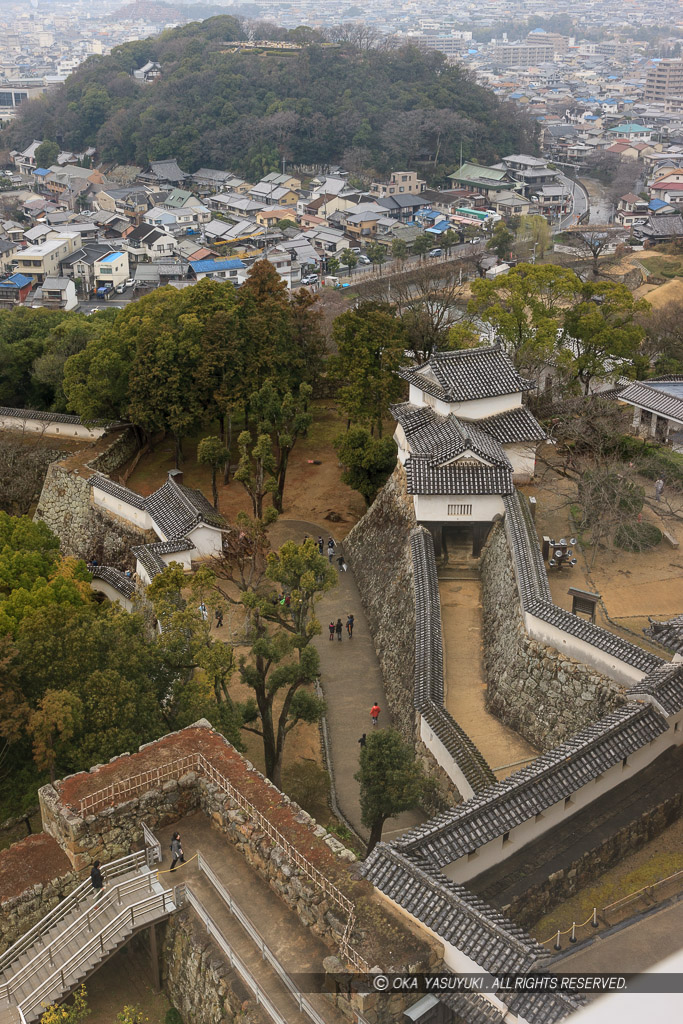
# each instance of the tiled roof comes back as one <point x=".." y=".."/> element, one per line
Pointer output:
<point x="424" y="478"/>
<point x="115" y="578"/>
<point x="550" y="778"/>
<point x="456" y="915"/>
<point x="177" y="509"/>
<point x="149" y="560"/>
<point x="467" y="374"/>
<point x="532" y="582"/>
<point x="167" y="547"/>
<point x="665" y="684"/>
<point x="514" y="425"/>
<point x="473" y="1008"/>
<point x="668" y="634"/>
<point x="428" y="693"/>
<point x="641" y="394"/>
<point x="103" y="483"/>
<point x="544" y="1007"/>
<point x="36" y="414"/>
<point x="441" y="438"/>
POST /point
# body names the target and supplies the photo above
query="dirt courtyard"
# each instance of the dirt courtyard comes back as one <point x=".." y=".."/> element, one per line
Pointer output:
<point x="632" y="585"/>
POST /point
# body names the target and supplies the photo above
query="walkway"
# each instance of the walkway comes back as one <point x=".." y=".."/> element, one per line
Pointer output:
<point x="352" y="681"/>
<point x="635" y="948"/>
<point x="464" y="679"/>
<point x="295" y="946"/>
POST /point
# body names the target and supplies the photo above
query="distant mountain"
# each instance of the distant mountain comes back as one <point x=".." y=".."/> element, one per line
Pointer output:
<point x="217" y="106"/>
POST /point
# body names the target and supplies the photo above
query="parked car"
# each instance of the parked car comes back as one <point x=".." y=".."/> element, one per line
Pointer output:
<point x="130" y="283"/>
<point x="120" y="288"/>
<point x="364" y="261"/>
<point x="356" y="250"/>
<point x="310" y="279"/>
<point x="435" y="253"/>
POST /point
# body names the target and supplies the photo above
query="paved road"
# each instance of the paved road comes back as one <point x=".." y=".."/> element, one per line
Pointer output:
<point x="579" y="204"/>
<point x="635" y="948"/>
<point x="352" y="681"/>
<point x="458" y="252"/>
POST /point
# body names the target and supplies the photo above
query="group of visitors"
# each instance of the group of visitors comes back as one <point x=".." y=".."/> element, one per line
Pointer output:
<point x="337" y="628"/>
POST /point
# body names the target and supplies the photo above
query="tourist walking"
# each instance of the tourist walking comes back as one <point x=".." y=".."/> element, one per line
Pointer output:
<point x="659" y="487"/>
<point x="331" y="628"/>
<point x="176" y="851"/>
<point x="363" y="740"/>
<point x="338" y="630"/>
<point x="321" y="544"/>
<point x="330" y="550"/>
<point x="374" y="713"/>
<point x="341" y="563"/>
<point x="349" y="626"/>
<point x="203" y="612"/>
<point x="97" y="879"/>
<point x="219" y="617"/>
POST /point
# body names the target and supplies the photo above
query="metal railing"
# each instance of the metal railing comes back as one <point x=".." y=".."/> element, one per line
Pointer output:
<point x="152" y="846"/>
<point x="265" y="951"/>
<point x="126" y="788"/>
<point x="115" y="868"/>
<point x="51" y="952"/>
<point x="105" y="941"/>
<point x="235" y="961"/>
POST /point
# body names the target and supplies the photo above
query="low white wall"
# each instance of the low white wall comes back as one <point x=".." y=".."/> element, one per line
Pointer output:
<point x="102" y="587"/>
<point x="586" y="653"/>
<point x="499" y="848"/>
<point x="183" y="557"/>
<point x="138" y="516"/>
<point x="475" y="409"/>
<point x="444" y="759"/>
<point x="49" y="427"/>
<point x="430" y="508"/>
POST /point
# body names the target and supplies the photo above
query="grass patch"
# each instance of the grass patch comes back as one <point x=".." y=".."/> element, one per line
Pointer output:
<point x="661" y="266"/>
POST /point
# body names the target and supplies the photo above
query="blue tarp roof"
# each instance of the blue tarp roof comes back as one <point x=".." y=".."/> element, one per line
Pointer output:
<point x="657" y="204"/>
<point x="16" y="281"/>
<point x="42" y="171"/>
<point x="438" y="229"/>
<point x="214" y="266"/>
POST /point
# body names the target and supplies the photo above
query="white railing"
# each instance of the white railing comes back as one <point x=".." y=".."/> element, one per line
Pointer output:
<point x="235" y="962"/>
<point x="109" y="938"/>
<point x="153" y="777"/>
<point x="115" y="868"/>
<point x="265" y="951"/>
<point x="80" y="925"/>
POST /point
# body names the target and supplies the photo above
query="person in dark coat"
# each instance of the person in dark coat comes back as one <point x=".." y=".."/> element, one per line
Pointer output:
<point x="97" y="879"/>
<point x="331" y="628"/>
<point x="338" y="629"/>
<point x="363" y="740"/>
<point x="349" y="626"/>
<point x="176" y="851"/>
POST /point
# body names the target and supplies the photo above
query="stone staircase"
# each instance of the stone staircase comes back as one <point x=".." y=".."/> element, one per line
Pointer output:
<point x="74" y="939"/>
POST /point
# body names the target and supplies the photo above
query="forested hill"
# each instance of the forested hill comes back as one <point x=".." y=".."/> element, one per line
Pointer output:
<point x="244" y="111"/>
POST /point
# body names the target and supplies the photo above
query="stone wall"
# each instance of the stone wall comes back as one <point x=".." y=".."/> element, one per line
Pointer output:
<point x="66" y="506"/>
<point x="534" y="689"/>
<point x="378" y="551"/>
<point x="527" y="908"/>
<point x="21" y="912"/>
<point x="199" y="981"/>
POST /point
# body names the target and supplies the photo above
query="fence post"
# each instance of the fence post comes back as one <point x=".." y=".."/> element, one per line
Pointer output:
<point x="558" y="944"/>
<point x="572" y="937"/>
<point x="594" y="922"/>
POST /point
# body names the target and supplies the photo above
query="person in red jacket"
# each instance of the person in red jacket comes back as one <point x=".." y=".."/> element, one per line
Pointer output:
<point x="374" y="712"/>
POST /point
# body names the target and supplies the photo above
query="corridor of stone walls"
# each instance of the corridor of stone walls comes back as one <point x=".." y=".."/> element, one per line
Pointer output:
<point x="464" y="680"/>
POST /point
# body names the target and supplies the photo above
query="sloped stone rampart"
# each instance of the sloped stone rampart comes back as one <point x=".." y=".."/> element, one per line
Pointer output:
<point x="200" y="983"/>
<point x="66" y="506"/>
<point x="534" y="689"/>
<point x="378" y="551"/>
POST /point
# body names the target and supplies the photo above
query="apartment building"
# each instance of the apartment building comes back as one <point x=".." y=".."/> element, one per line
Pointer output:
<point x="400" y="181"/>
<point x="41" y="261"/>
<point x="664" y="81"/>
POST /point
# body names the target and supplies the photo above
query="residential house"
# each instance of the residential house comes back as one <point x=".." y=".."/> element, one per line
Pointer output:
<point x="530" y="172"/>
<point x="269" y="217"/>
<point x="131" y="201"/>
<point x="551" y="200"/>
<point x="220" y="269"/>
<point x="111" y="270"/>
<point x="483" y="179"/>
<point x="57" y="293"/>
<point x="218" y="232"/>
<point x="272" y="194"/>
<point x="208" y="182"/>
<point x="84" y="263"/>
<point x="148" y="242"/>
<point x="661" y="228"/>
<point x="631" y="210"/>
<point x="510" y="204"/>
<point x="8" y="248"/>
<point x="399" y="182"/>
<point x="283" y="180"/>
<point x="41" y="261"/>
<point x="668" y="188"/>
<point x="632" y="132"/>
<point x="15" y="289"/>
<point x="235" y="204"/>
<point x="657" y="408"/>
<point x="401" y="207"/>
<point x="25" y="161"/>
